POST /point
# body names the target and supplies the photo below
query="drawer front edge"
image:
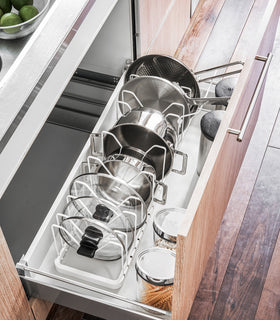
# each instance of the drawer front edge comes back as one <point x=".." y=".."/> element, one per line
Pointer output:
<point x="194" y="247"/>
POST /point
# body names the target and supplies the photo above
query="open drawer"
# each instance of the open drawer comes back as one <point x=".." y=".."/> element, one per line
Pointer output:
<point x="204" y="198"/>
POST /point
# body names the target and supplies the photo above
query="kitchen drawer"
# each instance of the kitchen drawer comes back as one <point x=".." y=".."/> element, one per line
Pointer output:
<point x="205" y="199"/>
<point x="204" y="210"/>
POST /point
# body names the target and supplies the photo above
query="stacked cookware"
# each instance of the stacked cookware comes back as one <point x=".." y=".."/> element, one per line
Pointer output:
<point x="108" y="201"/>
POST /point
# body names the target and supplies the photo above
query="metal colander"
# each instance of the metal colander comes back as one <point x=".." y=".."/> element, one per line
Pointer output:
<point x="165" y="67"/>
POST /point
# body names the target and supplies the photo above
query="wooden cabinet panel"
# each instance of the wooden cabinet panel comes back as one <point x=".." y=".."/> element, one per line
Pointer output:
<point x="217" y="179"/>
<point x="162" y="25"/>
<point x="267" y="42"/>
<point x="13" y="302"/>
<point x="150" y="18"/>
<point x="194" y="248"/>
<point x="198" y="31"/>
<point x="40" y="308"/>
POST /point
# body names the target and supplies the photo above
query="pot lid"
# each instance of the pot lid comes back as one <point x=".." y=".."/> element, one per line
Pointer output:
<point x="98" y="209"/>
<point x="112" y="191"/>
<point x="92" y="238"/>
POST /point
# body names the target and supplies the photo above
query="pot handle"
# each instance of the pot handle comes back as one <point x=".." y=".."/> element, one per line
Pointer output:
<point x="163" y="186"/>
<point x="184" y="156"/>
<point x="94" y="139"/>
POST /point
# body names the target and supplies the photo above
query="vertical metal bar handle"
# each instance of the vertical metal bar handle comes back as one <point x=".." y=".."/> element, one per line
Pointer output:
<point x="240" y="133"/>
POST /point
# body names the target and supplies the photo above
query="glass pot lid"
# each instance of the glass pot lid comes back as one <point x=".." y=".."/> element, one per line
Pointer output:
<point x="112" y="190"/>
<point x="93" y="238"/>
<point x="98" y="209"/>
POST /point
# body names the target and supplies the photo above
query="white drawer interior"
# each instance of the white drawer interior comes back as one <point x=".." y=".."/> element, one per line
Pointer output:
<point x="42" y="253"/>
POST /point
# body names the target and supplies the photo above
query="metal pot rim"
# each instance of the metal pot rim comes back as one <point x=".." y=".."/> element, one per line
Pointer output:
<point x="168" y="125"/>
<point x="169" y="149"/>
<point x="123" y="160"/>
<point x="174" y="87"/>
<point x="156" y="78"/>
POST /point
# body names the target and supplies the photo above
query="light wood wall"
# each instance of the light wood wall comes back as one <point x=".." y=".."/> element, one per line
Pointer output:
<point x="162" y="25"/>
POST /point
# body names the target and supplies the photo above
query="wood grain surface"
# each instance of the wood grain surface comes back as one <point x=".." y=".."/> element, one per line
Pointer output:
<point x="194" y="248"/>
<point x="40" y="308"/>
<point x="210" y="285"/>
<point x="162" y="25"/>
<point x="198" y="31"/>
<point x="217" y="265"/>
<point x="269" y="304"/>
<point x="274" y="139"/>
<point x="13" y="302"/>
<point x="172" y="28"/>
<point x="62" y="313"/>
<point x="242" y="286"/>
<point x="151" y="14"/>
<point x="248" y="35"/>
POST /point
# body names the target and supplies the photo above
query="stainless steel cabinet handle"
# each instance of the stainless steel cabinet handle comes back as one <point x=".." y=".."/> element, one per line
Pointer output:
<point x="240" y="133"/>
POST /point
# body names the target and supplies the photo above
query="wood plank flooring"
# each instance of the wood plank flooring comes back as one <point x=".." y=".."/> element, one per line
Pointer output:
<point x="269" y="305"/>
<point x="248" y="266"/>
<point x="62" y="313"/>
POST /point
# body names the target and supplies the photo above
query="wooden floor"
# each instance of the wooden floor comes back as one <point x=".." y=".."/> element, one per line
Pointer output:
<point x="242" y="278"/>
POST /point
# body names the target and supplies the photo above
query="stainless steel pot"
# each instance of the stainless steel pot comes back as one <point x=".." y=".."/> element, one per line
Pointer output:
<point x="158" y="94"/>
<point x="145" y="145"/>
<point x="137" y="174"/>
<point x="169" y="98"/>
<point x="153" y="120"/>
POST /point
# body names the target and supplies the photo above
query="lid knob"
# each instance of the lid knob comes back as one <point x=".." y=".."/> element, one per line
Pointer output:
<point x="89" y="242"/>
<point x="102" y="213"/>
